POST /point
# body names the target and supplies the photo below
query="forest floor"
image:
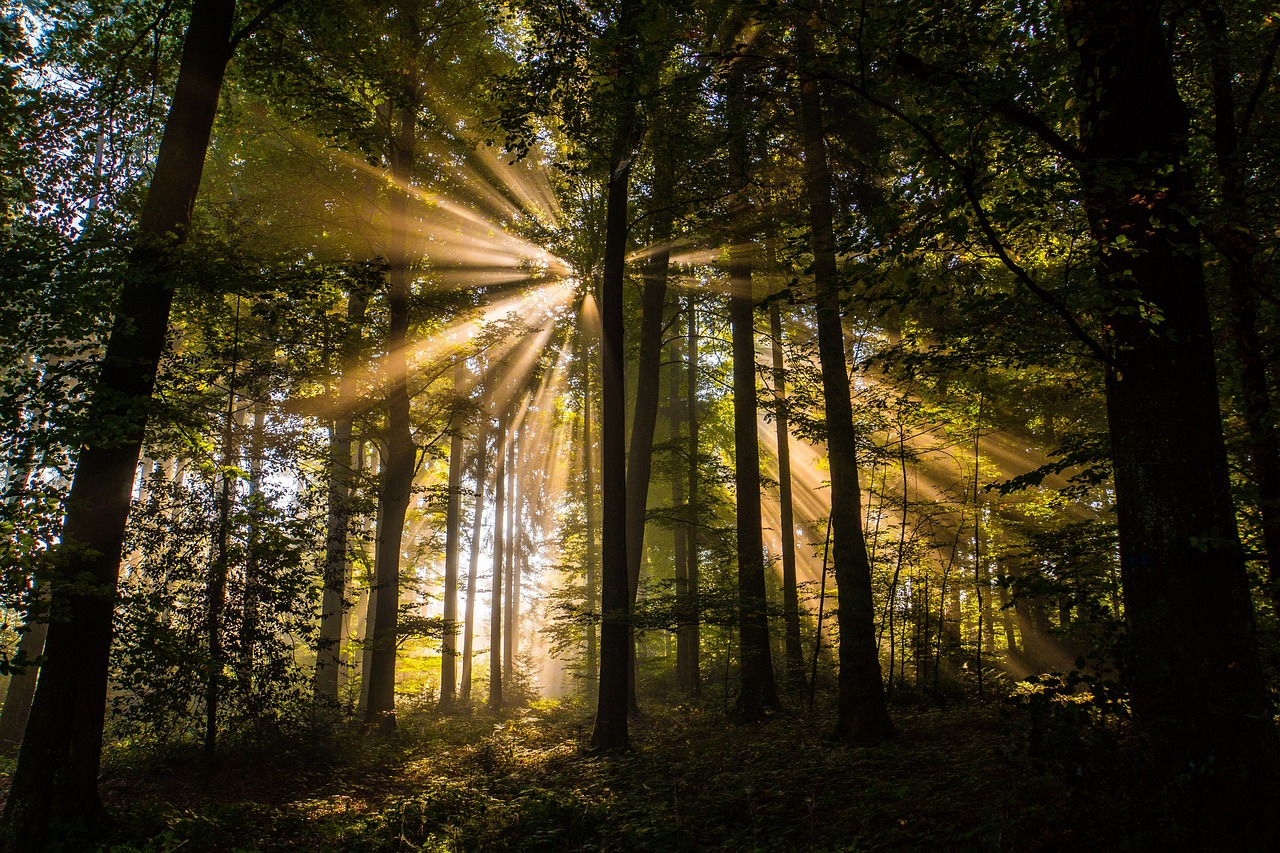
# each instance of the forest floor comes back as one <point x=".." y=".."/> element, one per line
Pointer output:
<point x="960" y="777"/>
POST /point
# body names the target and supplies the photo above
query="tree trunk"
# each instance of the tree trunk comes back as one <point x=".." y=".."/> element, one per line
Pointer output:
<point x="611" y="707"/>
<point x="452" y="537"/>
<point x="591" y="580"/>
<point x="397" y="473"/>
<point x="645" y="415"/>
<point x="689" y="640"/>
<point x="338" y="521"/>
<point x="253" y="586"/>
<point x="513" y="549"/>
<point x="790" y="594"/>
<point x="1193" y="672"/>
<point x="55" y="782"/>
<point x="1233" y="237"/>
<point x="473" y="572"/>
<point x="862" y="716"/>
<point x="758" y="693"/>
<point x="499" y="549"/>
<point x="22" y="686"/>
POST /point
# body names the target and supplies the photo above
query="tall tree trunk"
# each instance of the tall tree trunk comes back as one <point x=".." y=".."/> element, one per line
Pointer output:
<point x="338" y="520"/>
<point x="591" y="580"/>
<point x="862" y="716"/>
<point x="22" y="685"/>
<point x="499" y="548"/>
<point x="473" y="571"/>
<point x="56" y="778"/>
<point x="513" y="549"/>
<point x="790" y="593"/>
<point x="680" y="532"/>
<point x="758" y="692"/>
<point x="648" y="378"/>
<point x="1193" y="673"/>
<point x="1233" y="236"/>
<point x="397" y="473"/>
<point x="253" y="584"/>
<point x="689" y="640"/>
<point x="219" y="563"/>
<point x="615" y="599"/>
<point x="452" y="538"/>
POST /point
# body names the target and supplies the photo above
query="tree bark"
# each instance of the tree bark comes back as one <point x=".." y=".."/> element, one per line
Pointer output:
<point x="648" y="380"/>
<point x="611" y="707"/>
<point x="1237" y="241"/>
<point x="55" y="781"/>
<point x="452" y="540"/>
<point x="473" y="571"/>
<point x="499" y="549"/>
<point x="790" y="593"/>
<point x="397" y="474"/>
<point x="1193" y="673"/>
<point x="338" y="521"/>
<point x="862" y="716"/>
<point x="591" y="580"/>
<point x="689" y="641"/>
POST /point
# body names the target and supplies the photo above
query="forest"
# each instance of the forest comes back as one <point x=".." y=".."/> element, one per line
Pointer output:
<point x="639" y="425"/>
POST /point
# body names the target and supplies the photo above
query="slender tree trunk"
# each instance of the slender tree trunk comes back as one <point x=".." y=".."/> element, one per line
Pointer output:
<point x="338" y="521"/>
<point x="397" y="473"/>
<point x="1193" y="673"/>
<point x="615" y="648"/>
<point x="499" y="549"/>
<point x="648" y="382"/>
<point x="589" y="506"/>
<point x="452" y="537"/>
<point x="55" y="782"/>
<point x="369" y="623"/>
<point x="790" y="594"/>
<point x="513" y="549"/>
<point x="219" y="564"/>
<point x="862" y="715"/>
<point x="253" y="584"/>
<point x="689" y="644"/>
<point x="22" y="686"/>
<point x="473" y="571"/>
<point x="680" y="532"/>
<point x="1233" y="237"/>
<point x="758" y="694"/>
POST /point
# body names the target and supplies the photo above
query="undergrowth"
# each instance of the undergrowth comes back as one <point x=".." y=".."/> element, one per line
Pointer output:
<point x="958" y="778"/>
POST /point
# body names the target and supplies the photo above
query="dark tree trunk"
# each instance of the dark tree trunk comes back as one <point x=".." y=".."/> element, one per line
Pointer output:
<point x="591" y="580"/>
<point x="688" y="641"/>
<point x="1233" y="237"/>
<point x="499" y="562"/>
<point x="252" y="588"/>
<point x="758" y="692"/>
<point x="645" y="415"/>
<point x="397" y="473"/>
<point x="452" y="545"/>
<point x="862" y="716"/>
<point x="473" y="571"/>
<point x="55" y="782"/>
<point x="759" y="695"/>
<point x="615" y="599"/>
<point x="338" y="522"/>
<point x="790" y="594"/>
<point x="1193" y="673"/>
<point x="513" y="549"/>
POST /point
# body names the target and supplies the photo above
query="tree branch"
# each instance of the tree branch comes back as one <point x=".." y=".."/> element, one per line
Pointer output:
<point x="258" y="20"/>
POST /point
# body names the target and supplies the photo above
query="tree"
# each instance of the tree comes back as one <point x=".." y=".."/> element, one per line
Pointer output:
<point x="863" y="717"/>
<point x="1192" y="666"/>
<point x="55" y="781"/>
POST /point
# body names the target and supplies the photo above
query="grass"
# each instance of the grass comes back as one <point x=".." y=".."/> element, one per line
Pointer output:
<point x="957" y="779"/>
